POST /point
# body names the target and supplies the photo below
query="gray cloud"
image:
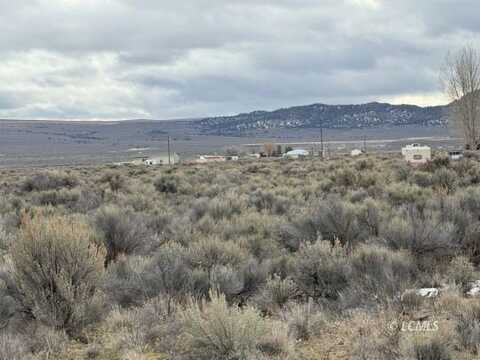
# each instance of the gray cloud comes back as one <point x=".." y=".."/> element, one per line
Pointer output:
<point x="167" y="59"/>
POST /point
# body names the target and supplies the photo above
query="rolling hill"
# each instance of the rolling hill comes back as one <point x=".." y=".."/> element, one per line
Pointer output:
<point x="369" y="115"/>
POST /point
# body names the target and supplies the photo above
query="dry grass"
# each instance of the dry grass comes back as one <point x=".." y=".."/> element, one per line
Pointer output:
<point x="310" y="258"/>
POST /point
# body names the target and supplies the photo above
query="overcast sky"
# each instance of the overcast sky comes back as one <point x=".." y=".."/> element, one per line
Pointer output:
<point x="161" y="59"/>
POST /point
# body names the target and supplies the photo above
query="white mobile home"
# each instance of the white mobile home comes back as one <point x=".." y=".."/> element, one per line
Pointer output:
<point x="455" y="155"/>
<point x="417" y="154"/>
<point x="162" y="160"/>
<point x="203" y="159"/>
<point x="356" y="152"/>
<point x="296" y="154"/>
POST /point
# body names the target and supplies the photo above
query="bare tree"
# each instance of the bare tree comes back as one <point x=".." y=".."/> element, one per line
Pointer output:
<point x="461" y="77"/>
<point x="269" y="149"/>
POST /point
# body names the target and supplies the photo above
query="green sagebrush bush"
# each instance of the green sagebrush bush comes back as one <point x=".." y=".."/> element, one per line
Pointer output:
<point x="445" y="179"/>
<point x="276" y="293"/>
<point x="268" y="201"/>
<point x="152" y="326"/>
<point x="468" y="328"/>
<point x="215" y="330"/>
<point x="169" y="273"/>
<point x="168" y="184"/>
<point x="371" y="217"/>
<point x="121" y="231"/>
<point x="297" y="232"/>
<point x="461" y="272"/>
<point x="305" y="320"/>
<point x="423" y="234"/>
<point x="49" y="181"/>
<point x="434" y="349"/>
<point x="57" y="267"/>
<point x="177" y="272"/>
<point x="114" y="179"/>
<point x="209" y="252"/>
<point x="378" y="276"/>
<point x="63" y="197"/>
<point x="321" y="270"/>
<point x="337" y="220"/>
<point x="124" y="282"/>
<point x="12" y="347"/>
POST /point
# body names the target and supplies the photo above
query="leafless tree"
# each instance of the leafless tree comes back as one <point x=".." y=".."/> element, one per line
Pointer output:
<point x="269" y="149"/>
<point x="461" y="78"/>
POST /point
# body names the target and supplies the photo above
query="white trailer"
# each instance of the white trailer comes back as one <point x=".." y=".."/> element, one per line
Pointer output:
<point x="417" y="154"/>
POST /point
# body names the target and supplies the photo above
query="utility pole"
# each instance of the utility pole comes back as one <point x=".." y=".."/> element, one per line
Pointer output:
<point x="321" y="141"/>
<point x="364" y="144"/>
<point x="169" y="160"/>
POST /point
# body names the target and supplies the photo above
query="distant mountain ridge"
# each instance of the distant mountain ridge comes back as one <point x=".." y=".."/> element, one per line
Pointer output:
<point x="328" y="116"/>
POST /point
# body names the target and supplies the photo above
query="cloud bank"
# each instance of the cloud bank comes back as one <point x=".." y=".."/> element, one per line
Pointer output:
<point x="122" y="59"/>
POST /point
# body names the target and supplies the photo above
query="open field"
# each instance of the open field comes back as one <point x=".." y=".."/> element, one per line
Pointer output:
<point x="244" y="260"/>
<point x="47" y="143"/>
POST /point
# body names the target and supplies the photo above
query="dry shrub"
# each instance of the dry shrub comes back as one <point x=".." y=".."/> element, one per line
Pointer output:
<point x="379" y="275"/>
<point x="410" y="301"/>
<point x="216" y="331"/>
<point x="276" y="293"/>
<point x="49" y="181"/>
<point x="461" y="272"/>
<point x="115" y="180"/>
<point x="224" y="207"/>
<point x="12" y="347"/>
<point x="124" y="282"/>
<point x="65" y="197"/>
<point x="168" y="184"/>
<point x="152" y="326"/>
<point x="321" y="270"/>
<point x="305" y="321"/>
<point x="168" y="273"/>
<point x="401" y="193"/>
<point x="337" y="220"/>
<point x="293" y="235"/>
<point x="48" y="343"/>
<point x="371" y="216"/>
<point x="374" y="337"/>
<point x="445" y="179"/>
<point x="434" y="349"/>
<point x="57" y="268"/>
<point x="424" y="234"/>
<point x="468" y="328"/>
<point x="122" y="232"/>
<point x="206" y="253"/>
<point x="268" y="201"/>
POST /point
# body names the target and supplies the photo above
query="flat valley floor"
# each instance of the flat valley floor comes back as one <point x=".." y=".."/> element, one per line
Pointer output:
<point x="50" y="143"/>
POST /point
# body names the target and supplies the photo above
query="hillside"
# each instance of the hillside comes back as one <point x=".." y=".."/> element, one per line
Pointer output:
<point x="328" y="116"/>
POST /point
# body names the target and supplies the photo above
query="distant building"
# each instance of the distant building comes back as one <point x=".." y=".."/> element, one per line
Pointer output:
<point x="417" y="154"/>
<point x="211" y="158"/>
<point x="162" y="159"/>
<point x="356" y="152"/>
<point x="296" y="154"/>
<point x="455" y="155"/>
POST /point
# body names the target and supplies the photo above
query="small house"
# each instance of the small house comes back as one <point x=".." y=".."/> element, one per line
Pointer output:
<point x="356" y="152"/>
<point x="296" y="154"/>
<point x="165" y="159"/>
<point x="211" y="158"/>
<point x="417" y="154"/>
<point x="455" y="155"/>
